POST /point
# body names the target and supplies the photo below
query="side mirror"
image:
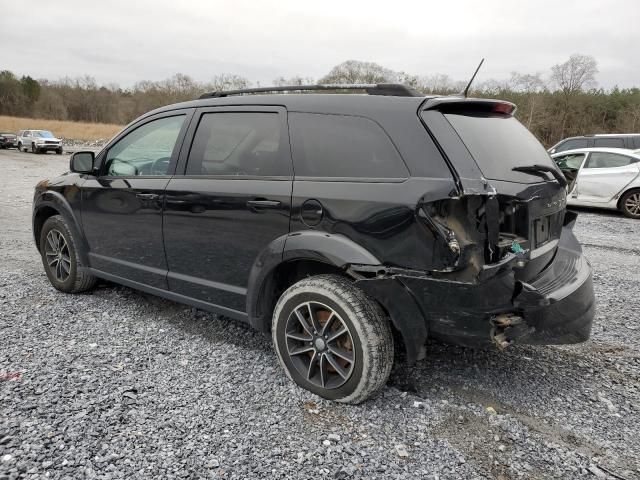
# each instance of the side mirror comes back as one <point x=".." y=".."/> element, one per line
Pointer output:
<point x="82" y="162"/>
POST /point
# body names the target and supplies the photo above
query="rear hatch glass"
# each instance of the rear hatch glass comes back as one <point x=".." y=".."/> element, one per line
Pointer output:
<point x="499" y="143"/>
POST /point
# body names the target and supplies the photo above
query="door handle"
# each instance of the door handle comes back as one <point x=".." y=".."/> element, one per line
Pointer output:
<point x="263" y="203"/>
<point x="147" y="196"/>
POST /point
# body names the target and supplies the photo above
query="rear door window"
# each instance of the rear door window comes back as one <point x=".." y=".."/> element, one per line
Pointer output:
<point x="239" y="144"/>
<point x="609" y="142"/>
<point x="499" y="143"/>
<point x="608" y="160"/>
<point x="342" y="146"/>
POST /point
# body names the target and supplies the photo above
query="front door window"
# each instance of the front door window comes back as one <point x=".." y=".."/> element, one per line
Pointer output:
<point x="146" y="151"/>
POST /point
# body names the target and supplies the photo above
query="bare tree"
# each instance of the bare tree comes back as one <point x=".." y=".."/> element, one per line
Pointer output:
<point x="227" y="81"/>
<point x="571" y="77"/>
<point x="526" y="82"/>
<point x="355" y="71"/>
<point x="576" y="74"/>
<point x="297" y="80"/>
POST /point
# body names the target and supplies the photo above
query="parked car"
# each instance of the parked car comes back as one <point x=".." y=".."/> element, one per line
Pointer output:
<point x="602" y="177"/>
<point x="8" y="140"/>
<point x="328" y="221"/>
<point x="39" y="141"/>
<point x="629" y="141"/>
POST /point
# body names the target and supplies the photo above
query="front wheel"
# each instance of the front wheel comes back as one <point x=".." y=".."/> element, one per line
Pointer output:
<point x="630" y="204"/>
<point x="60" y="258"/>
<point x="34" y="149"/>
<point x="20" y="147"/>
<point x="333" y="339"/>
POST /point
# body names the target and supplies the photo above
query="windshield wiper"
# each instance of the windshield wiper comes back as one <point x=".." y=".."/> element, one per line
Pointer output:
<point x="542" y="169"/>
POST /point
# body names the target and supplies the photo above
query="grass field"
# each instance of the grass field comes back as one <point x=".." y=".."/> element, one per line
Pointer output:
<point x="61" y="129"/>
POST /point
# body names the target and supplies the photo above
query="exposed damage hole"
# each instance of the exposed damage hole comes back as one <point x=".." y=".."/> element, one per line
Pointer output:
<point x="501" y="326"/>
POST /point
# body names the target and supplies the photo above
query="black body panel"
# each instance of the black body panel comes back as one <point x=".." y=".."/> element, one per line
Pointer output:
<point x="212" y="235"/>
<point x="122" y="220"/>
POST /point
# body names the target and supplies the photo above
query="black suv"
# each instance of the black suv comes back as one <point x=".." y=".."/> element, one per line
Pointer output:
<point x="331" y="221"/>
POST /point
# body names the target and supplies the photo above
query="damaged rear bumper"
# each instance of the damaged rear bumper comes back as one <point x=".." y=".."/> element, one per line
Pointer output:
<point x="556" y="307"/>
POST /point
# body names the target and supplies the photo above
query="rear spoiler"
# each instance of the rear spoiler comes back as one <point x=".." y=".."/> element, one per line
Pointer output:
<point x="469" y="105"/>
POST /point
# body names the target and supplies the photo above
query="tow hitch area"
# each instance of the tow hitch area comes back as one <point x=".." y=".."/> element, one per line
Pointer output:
<point x="503" y="328"/>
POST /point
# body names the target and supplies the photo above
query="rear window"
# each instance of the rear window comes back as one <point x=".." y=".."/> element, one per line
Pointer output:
<point x="342" y="146"/>
<point x="498" y="144"/>
<point x="609" y="142"/>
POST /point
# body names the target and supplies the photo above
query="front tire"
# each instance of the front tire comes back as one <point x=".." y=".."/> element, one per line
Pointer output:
<point x="630" y="204"/>
<point x="20" y="147"/>
<point x="60" y="258"/>
<point x="333" y="339"/>
<point x="59" y="151"/>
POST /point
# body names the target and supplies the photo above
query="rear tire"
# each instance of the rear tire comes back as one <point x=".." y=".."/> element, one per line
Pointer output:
<point x="60" y="258"/>
<point x="347" y="367"/>
<point x="630" y="204"/>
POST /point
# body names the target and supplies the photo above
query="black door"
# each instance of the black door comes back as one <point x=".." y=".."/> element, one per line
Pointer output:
<point x="122" y="206"/>
<point x="233" y="200"/>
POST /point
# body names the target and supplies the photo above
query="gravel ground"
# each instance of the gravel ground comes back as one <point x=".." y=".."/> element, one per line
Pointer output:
<point x="120" y="384"/>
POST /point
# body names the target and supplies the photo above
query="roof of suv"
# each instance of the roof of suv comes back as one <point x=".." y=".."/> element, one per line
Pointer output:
<point x="336" y="103"/>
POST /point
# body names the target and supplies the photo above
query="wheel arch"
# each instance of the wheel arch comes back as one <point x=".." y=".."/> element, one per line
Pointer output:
<point x="53" y="203"/>
<point x="634" y="188"/>
<point x="292" y="257"/>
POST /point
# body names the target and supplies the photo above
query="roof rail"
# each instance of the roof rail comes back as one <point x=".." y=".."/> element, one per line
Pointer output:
<point x="387" y="89"/>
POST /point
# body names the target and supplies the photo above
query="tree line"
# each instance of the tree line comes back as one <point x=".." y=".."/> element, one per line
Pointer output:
<point x="562" y="102"/>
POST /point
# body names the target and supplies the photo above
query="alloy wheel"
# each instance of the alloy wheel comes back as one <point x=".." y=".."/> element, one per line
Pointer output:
<point x="320" y="345"/>
<point x="57" y="254"/>
<point x="632" y="203"/>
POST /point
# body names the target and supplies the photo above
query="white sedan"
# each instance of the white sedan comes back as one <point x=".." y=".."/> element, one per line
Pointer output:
<point x="602" y="177"/>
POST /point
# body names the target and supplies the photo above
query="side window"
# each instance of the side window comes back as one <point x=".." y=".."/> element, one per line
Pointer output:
<point x="147" y="150"/>
<point x="239" y="144"/>
<point x="571" y="144"/>
<point x="636" y="142"/>
<point x="341" y="146"/>
<point x="609" y="142"/>
<point x="570" y="162"/>
<point x="607" y="160"/>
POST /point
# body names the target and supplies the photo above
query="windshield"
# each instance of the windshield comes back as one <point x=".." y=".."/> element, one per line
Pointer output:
<point x="499" y="143"/>
<point x="43" y="134"/>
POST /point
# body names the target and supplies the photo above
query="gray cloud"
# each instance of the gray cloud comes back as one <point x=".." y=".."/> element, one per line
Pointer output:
<point x="127" y="41"/>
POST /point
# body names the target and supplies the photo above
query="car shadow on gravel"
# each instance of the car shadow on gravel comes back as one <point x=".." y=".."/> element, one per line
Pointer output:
<point x="605" y="212"/>
<point x="191" y="321"/>
<point x="522" y="377"/>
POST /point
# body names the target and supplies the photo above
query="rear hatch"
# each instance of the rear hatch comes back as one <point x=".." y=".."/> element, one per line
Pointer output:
<point x="493" y="155"/>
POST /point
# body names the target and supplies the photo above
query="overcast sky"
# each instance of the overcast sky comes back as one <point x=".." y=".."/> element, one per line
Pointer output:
<point x="127" y="41"/>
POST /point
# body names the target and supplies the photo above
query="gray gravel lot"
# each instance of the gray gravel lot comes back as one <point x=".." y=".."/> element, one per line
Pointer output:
<point x="120" y="384"/>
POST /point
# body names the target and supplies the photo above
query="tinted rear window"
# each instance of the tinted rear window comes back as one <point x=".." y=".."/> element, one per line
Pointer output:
<point x="342" y="146"/>
<point x="239" y="143"/>
<point x="609" y="142"/>
<point x="498" y="144"/>
<point x="571" y="144"/>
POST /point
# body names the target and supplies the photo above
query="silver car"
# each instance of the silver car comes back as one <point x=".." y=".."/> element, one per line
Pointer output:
<point x="602" y="177"/>
<point x="39" y="141"/>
